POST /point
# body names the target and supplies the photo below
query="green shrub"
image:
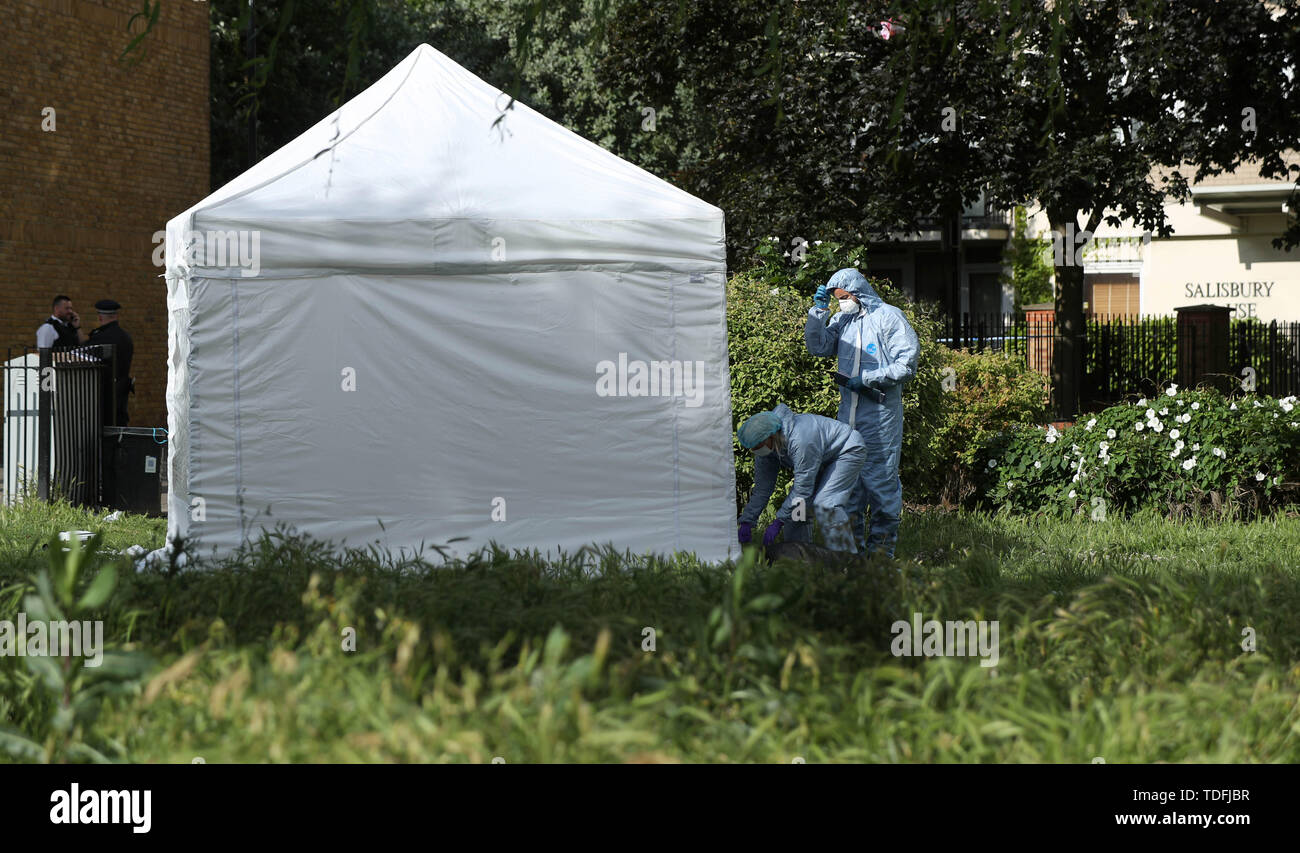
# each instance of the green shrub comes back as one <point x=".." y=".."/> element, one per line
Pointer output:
<point x="986" y="394"/>
<point x="1181" y="453"/>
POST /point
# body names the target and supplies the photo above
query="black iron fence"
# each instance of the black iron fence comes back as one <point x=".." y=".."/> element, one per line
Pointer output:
<point x="1266" y="355"/>
<point x="1136" y="356"/>
<point x="56" y="405"/>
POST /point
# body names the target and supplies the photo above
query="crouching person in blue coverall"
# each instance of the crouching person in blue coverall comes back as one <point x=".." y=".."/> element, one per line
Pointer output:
<point x="826" y="457"/>
<point x="877" y="350"/>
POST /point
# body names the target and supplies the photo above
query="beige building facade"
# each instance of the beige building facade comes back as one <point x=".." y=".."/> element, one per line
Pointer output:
<point x="1220" y="253"/>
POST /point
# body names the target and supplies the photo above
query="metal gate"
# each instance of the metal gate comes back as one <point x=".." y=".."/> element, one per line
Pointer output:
<point x="55" y="403"/>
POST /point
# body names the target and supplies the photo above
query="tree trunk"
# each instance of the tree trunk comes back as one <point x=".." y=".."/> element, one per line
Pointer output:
<point x="1068" y="345"/>
<point x="1067" y="352"/>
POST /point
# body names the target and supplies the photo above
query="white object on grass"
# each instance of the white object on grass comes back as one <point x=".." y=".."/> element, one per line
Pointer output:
<point x="157" y="558"/>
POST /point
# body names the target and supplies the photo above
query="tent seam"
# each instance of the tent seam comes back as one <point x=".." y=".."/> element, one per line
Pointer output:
<point x="312" y="159"/>
<point x="239" y="438"/>
<point x="677" y="470"/>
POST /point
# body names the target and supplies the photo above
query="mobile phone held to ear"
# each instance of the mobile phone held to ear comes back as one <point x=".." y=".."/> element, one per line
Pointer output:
<point x="840" y="378"/>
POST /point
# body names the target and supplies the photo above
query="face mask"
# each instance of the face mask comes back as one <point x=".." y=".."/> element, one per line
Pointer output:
<point x="762" y="451"/>
<point x="848" y="306"/>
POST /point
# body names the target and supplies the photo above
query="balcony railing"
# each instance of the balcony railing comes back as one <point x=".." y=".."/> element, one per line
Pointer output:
<point x="988" y="221"/>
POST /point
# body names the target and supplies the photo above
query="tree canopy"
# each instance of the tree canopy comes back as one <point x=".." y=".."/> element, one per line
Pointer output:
<point x="800" y="119"/>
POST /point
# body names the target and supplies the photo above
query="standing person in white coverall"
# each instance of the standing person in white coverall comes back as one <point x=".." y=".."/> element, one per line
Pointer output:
<point x="877" y="350"/>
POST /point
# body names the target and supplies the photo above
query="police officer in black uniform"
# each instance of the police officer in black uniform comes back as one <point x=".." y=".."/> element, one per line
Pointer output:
<point x="114" y="408"/>
<point x="63" y="328"/>
<point x="109" y="332"/>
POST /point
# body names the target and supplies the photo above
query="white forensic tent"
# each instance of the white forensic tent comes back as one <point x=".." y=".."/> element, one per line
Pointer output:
<point x="413" y="323"/>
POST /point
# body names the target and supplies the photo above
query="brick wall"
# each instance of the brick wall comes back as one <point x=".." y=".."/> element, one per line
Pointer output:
<point x="79" y="205"/>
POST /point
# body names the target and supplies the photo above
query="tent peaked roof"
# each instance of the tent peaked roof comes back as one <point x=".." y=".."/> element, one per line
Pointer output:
<point x="430" y="141"/>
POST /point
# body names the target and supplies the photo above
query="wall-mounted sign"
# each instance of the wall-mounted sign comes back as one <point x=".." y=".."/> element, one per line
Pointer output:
<point x="1248" y="292"/>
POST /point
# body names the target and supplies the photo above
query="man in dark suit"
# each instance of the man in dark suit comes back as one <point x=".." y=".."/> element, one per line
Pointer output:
<point x="109" y="332"/>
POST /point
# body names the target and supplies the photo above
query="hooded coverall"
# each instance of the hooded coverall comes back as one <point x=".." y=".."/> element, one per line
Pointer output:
<point x="877" y="345"/>
<point x="826" y="457"/>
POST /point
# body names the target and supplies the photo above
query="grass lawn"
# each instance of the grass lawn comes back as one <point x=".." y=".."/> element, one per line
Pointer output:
<point x="1120" y="639"/>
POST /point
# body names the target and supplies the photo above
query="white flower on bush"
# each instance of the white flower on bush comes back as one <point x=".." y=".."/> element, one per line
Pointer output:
<point x="1196" y="405"/>
<point x="1258" y="404"/>
<point x="1173" y="433"/>
<point x="1259" y="476"/>
<point x="1233" y="407"/>
<point x="1092" y="423"/>
<point x="1157" y="426"/>
<point x="1038" y="464"/>
<point x="1073" y="493"/>
<point x="1110" y="433"/>
<point x="1172" y="391"/>
<point x="1051" y="435"/>
<point x="1286" y="407"/>
<point x="1189" y="464"/>
<point x="1196" y="446"/>
<point x="1218" y="451"/>
<point x="1138" y="426"/>
<point x="1164" y="411"/>
<point x="1151" y="414"/>
<point x="1141" y="403"/>
<point x="993" y="463"/>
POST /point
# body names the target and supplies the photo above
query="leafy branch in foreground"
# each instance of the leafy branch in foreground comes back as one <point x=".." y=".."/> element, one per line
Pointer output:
<point x="72" y="673"/>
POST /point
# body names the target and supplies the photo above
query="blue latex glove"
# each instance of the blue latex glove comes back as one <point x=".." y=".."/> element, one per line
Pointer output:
<point x="746" y="533"/>
<point x="773" y="531"/>
<point x="822" y="298"/>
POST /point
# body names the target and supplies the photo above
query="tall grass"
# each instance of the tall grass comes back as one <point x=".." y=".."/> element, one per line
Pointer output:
<point x="1120" y="639"/>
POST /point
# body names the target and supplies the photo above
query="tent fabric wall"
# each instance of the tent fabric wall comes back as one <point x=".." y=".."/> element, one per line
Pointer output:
<point x="450" y="331"/>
